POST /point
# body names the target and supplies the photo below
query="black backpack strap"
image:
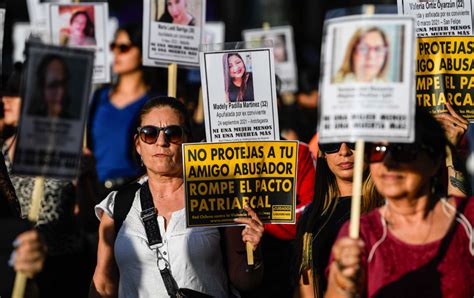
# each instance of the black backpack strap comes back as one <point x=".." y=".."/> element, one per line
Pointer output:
<point x="123" y="202"/>
<point x="149" y="217"/>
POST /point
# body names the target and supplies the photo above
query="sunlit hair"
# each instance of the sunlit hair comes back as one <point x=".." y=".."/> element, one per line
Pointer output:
<point x="347" y="66"/>
<point x="326" y="189"/>
<point x="326" y="195"/>
<point x="228" y="79"/>
<point x="89" y="28"/>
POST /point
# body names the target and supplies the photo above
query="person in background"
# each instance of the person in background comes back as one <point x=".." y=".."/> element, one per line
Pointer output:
<point x="420" y="241"/>
<point x="127" y="266"/>
<point x="80" y="31"/>
<point x="114" y="111"/>
<point x="318" y="226"/>
<point x="57" y="221"/>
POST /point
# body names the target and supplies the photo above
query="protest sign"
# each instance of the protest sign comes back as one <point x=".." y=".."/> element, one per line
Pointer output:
<point x="54" y="109"/>
<point x="445" y="73"/>
<point x="82" y="26"/>
<point x="239" y="95"/>
<point x="172" y="32"/>
<point x="367" y="86"/>
<point x="440" y="17"/>
<point x="281" y="39"/>
<point x="221" y="178"/>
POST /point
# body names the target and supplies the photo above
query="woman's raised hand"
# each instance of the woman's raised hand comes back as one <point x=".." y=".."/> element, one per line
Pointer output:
<point x="345" y="271"/>
<point x="454" y="125"/>
<point x="253" y="230"/>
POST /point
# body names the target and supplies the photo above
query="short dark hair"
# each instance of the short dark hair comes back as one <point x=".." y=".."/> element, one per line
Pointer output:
<point x="134" y="32"/>
<point x="167" y="101"/>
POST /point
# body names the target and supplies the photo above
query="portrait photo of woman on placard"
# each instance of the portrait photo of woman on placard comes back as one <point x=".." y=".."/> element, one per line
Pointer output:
<point x="51" y="97"/>
<point x="80" y="30"/>
<point x="238" y="77"/>
<point x="278" y="41"/>
<point x="175" y="12"/>
<point x="372" y="55"/>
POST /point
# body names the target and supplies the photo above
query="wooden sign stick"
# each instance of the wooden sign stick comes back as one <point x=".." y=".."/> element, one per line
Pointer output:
<point x="172" y="79"/>
<point x="354" y="224"/>
<point x="357" y="189"/>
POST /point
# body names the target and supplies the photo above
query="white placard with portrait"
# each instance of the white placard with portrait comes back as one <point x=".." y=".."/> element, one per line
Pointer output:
<point x="82" y="26"/>
<point x="368" y="79"/>
<point x="439" y="17"/>
<point x="281" y="38"/>
<point x="54" y="109"/>
<point x="172" y="32"/>
<point x="239" y="95"/>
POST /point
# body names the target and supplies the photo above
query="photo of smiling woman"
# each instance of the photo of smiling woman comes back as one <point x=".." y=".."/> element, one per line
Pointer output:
<point x="366" y="58"/>
<point x="237" y="77"/>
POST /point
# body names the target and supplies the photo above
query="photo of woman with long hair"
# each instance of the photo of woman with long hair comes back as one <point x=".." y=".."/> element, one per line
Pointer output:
<point x="51" y="98"/>
<point x="366" y="57"/>
<point x="238" y="79"/>
<point x="176" y="13"/>
<point x="80" y="31"/>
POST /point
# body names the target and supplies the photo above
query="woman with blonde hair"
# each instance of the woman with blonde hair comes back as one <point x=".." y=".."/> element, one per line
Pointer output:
<point x="366" y="57"/>
<point x="318" y="226"/>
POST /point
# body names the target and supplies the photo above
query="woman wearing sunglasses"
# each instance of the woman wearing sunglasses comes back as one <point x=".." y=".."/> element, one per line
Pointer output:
<point x="318" y="226"/>
<point x="420" y="243"/>
<point x="126" y="265"/>
<point x="114" y="110"/>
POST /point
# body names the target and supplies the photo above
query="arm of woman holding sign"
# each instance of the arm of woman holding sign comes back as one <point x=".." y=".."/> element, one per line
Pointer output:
<point x="455" y="126"/>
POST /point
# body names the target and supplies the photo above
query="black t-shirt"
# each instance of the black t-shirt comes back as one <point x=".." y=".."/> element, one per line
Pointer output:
<point x="248" y="92"/>
<point x="325" y="231"/>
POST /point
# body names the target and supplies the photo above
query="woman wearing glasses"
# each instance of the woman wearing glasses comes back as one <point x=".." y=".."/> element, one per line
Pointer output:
<point x="420" y="243"/>
<point x="126" y="265"/>
<point x="366" y="57"/>
<point x="318" y="226"/>
<point x="114" y="110"/>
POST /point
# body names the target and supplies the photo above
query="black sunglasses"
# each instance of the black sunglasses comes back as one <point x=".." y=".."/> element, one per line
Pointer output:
<point x="334" y="147"/>
<point x="173" y="133"/>
<point x="399" y="152"/>
<point x="122" y="47"/>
